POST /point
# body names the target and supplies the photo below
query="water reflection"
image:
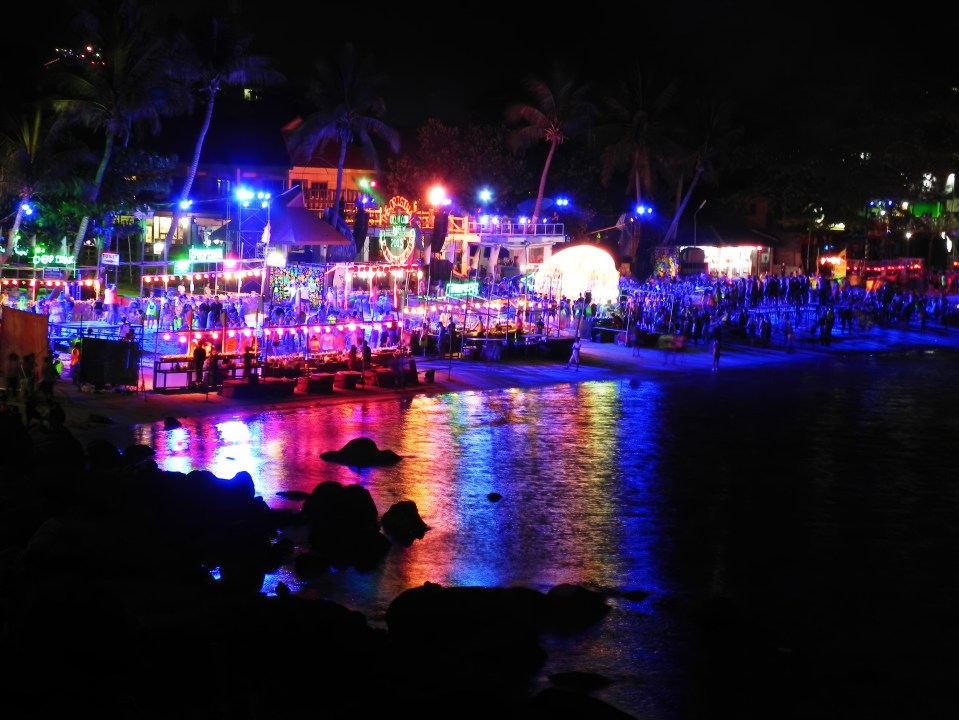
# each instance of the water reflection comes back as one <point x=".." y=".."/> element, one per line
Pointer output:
<point x="798" y="493"/>
<point x="554" y="455"/>
<point x="574" y="466"/>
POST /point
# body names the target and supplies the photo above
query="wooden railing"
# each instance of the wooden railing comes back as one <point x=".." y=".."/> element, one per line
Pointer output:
<point x="322" y="200"/>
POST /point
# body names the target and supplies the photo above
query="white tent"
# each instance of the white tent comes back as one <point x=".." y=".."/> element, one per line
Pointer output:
<point x="580" y="269"/>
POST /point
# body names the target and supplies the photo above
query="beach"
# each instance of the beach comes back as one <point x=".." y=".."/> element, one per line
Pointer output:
<point x="115" y="410"/>
<point x="649" y="487"/>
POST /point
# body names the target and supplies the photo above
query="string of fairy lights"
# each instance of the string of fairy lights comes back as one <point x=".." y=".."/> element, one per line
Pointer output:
<point x="308" y="329"/>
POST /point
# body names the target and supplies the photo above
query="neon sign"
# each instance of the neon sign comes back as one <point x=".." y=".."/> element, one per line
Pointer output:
<point x="206" y="255"/>
<point x="397" y="240"/>
<point x="460" y="289"/>
<point x="53" y="260"/>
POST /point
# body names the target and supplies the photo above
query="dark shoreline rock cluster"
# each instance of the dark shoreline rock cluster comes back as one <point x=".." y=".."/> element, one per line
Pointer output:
<point x="133" y="592"/>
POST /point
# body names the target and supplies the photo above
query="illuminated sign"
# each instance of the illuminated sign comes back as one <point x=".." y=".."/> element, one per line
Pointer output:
<point x="206" y="255"/>
<point x="461" y="289"/>
<point x="53" y="259"/>
<point x="398" y="240"/>
<point x="109" y="258"/>
<point x="396" y="244"/>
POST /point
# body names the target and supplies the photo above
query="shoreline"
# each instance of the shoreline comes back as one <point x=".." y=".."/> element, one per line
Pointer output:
<point x="117" y="410"/>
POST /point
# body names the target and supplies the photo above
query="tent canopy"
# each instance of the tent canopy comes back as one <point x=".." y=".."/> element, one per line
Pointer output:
<point x="292" y="223"/>
<point x="580" y="269"/>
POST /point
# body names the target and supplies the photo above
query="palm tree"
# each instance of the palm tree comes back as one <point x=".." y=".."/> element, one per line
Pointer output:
<point x="349" y="107"/>
<point x="639" y="139"/>
<point x="33" y="161"/>
<point x="562" y="110"/>
<point x="712" y="139"/>
<point x="216" y="58"/>
<point x="128" y="84"/>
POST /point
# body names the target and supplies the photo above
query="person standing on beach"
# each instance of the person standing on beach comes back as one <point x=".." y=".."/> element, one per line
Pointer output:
<point x="48" y="378"/>
<point x="367" y="356"/>
<point x="75" y="362"/>
<point x="13" y="375"/>
<point x="574" y="355"/>
<point x="110" y="303"/>
<point x="199" y="360"/>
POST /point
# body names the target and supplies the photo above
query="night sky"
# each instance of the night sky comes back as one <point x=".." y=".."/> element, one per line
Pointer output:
<point x="466" y="64"/>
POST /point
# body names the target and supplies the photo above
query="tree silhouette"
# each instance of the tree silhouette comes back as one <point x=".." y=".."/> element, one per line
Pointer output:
<point x="560" y="109"/>
<point x="127" y="83"/>
<point x="639" y="137"/>
<point x="35" y="161"/>
<point x="345" y="92"/>
<point x="214" y="56"/>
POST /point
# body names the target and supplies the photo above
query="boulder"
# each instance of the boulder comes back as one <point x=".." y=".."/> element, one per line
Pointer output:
<point x="402" y="523"/>
<point x="361" y="453"/>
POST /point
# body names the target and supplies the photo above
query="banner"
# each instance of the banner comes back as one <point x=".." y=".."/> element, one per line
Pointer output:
<point x="23" y="333"/>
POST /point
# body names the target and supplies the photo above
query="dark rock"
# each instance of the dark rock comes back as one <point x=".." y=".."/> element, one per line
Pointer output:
<point x="361" y="453"/>
<point x="580" y="681"/>
<point x="135" y="454"/>
<point x="402" y="523"/>
<point x="561" y="704"/>
<point x="473" y="638"/>
<point x="102" y="454"/>
<point x="344" y="525"/>
<point x="571" y="608"/>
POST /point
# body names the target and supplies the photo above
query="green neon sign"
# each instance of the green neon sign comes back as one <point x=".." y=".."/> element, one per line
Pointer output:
<point x="206" y="255"/>
<point x="460" y="289"/>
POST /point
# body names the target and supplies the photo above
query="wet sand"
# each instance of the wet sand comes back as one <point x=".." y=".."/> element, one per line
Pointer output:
<point x="599" y="362"/>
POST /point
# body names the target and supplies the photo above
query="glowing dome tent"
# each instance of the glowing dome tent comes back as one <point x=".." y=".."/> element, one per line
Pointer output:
<point x="580" y="269"/>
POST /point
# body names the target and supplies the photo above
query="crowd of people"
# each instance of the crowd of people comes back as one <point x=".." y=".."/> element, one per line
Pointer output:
<point x="30" y="382"/>
<point x="781" y="305"/>
<point x="767" y="307"/>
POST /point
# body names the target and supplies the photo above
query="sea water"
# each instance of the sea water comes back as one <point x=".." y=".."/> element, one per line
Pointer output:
<point x="774" y="542"/>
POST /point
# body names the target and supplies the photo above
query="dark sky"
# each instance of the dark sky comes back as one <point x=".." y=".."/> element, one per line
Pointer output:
<point x="466" y="63"/>
<point x="469" y="65"/>
<point x="471" y="68"/>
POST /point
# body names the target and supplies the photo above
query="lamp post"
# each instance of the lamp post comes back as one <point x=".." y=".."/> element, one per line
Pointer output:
<point x="265" y="270"/>
<point x="695" y="214"/>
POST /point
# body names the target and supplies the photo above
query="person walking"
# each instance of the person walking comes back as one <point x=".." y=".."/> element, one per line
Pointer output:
<point x="574" y="355"/>
<point x="716" y="352"/>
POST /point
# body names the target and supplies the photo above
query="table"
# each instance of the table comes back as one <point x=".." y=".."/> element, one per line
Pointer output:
<point x="347" y="379"/>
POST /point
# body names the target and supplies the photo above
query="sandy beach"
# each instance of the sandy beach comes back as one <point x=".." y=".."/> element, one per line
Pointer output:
<point x="112" y="410"/>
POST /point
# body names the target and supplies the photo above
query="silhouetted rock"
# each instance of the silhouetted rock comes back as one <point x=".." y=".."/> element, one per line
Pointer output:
<point x="563" y="704"/>
<point x="102" y="454"/>
<point x="402" y="523"/>
<point x="361" y="453"/>
<point x="344" y="525"/>
<point x="571" y="608"/>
